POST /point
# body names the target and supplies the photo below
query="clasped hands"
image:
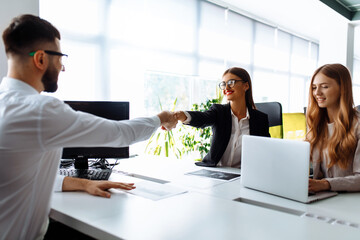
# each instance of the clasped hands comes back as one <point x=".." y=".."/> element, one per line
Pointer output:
<point x="169" y="119"/>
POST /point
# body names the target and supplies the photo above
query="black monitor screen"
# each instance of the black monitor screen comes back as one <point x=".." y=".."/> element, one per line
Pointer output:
<point x="109" y="110"/>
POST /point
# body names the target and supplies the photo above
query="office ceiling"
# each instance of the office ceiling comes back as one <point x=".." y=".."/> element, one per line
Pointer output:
<point x="350" y="9"/>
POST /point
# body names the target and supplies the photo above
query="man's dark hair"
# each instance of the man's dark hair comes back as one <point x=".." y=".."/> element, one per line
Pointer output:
<point x="26" y="32"/>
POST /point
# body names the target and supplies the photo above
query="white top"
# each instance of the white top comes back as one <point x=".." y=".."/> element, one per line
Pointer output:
<point x="33" y="130"/>
<point x="232" y="154"/>
<point x="340" y="179"/>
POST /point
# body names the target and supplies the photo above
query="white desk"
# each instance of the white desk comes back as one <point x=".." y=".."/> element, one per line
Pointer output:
<point x="344" y="207"/>
<point x="341" y="209"/>
<point x="204" y="212"/>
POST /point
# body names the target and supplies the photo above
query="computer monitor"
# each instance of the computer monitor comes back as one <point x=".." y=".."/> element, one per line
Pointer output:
<point x="105" y="109"/>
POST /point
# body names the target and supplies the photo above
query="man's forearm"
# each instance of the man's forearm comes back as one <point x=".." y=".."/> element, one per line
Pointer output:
<point x="74" y="184"/>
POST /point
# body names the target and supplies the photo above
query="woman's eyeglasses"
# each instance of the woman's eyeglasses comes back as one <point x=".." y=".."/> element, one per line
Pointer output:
<point x="230" y="83"/>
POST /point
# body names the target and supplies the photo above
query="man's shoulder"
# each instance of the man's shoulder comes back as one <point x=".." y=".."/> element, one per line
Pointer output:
<point x="50" y="99"/>
<point x="43" y="101"/>
<point x="30" y="102"/>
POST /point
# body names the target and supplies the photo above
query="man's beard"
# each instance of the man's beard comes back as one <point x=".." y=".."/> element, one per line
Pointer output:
<point x="50" y="79"/>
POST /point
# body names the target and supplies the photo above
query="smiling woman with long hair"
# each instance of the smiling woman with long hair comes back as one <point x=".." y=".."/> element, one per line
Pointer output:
<point x="333" y="131"/>
<point x="229" y="122"/>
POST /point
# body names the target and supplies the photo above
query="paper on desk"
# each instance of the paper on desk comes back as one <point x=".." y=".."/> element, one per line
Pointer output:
<point x="155" y="191"/>
<point x="202" y="179"/>
<point x="215" y="174"/>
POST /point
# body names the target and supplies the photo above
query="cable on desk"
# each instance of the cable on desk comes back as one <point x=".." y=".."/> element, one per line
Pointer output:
<point x="103" y="163"/>
<point x="100" y="163"/>
<point x="116" y="163"/>
<point x="66" y="163"/>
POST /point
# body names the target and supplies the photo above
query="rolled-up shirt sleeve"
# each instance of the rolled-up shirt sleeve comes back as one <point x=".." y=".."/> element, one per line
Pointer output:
<point x="58" y="183"/>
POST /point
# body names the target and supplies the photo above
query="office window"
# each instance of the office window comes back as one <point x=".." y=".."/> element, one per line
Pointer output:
<point x="301" y="57"/>
<point x="212" y="31"/>
<point x="356" y="81"/>
<point x="82" y="18"/>
<point x="79" y="81"/>
<point x="239" y="38"/>
<point x="264" y="47"/>
<point x="144" y="51"/>
<point x="115" y="44"/>
<point x="164" y="95"/>
<point x="356" y="67"/>
<point x="154" y="24"/>
<point x="269" y="86"/>
<point x="283" y="63"/>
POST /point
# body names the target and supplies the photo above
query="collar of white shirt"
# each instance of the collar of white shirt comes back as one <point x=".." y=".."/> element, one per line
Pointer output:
<point x="8" y="83"/>
<point x="235" y="117"/>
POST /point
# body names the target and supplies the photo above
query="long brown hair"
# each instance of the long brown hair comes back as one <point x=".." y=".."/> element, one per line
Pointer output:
<point x="243" y="75"/>
<point x="342" y="144"/>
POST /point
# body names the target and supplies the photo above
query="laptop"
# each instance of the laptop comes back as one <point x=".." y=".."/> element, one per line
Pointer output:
<point x="279" y="167"/>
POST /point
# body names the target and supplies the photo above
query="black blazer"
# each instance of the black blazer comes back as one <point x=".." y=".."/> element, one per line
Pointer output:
<point x="219" y="118"/>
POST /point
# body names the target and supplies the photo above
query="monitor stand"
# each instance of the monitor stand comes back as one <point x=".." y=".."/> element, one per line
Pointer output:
<point x="81" y="163"/>
<point x="82" y="170"/>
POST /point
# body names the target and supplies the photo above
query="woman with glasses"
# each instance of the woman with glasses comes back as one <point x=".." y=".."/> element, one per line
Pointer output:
<point x="333" y="131"/>
<point x="229" y="121"/>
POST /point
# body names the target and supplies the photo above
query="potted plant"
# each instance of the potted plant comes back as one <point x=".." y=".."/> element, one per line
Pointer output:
<point x="185" y="139"/>
<point x="163" y="143"/>
<point x="198" y="139"/>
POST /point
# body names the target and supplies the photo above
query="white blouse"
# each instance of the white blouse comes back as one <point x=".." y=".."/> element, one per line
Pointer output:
<point x="340" y="179"/>
<point x="232" y="154"/>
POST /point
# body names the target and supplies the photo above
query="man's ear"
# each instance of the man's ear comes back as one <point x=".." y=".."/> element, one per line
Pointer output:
<point x="40" y="60"/>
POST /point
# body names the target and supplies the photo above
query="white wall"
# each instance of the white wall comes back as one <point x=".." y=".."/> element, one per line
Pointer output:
<point x="8" y="10"/>
<point x="308" y="18"/>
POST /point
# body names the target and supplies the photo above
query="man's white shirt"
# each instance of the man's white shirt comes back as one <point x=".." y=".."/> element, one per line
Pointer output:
<point x="33" y="130"/>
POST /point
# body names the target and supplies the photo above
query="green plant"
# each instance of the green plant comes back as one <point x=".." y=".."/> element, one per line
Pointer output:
<point x="163" y="142"/>
<point x="198" y="139"/>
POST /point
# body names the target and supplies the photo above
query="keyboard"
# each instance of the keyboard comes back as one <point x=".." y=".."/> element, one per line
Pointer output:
<point x="92" y="174"/>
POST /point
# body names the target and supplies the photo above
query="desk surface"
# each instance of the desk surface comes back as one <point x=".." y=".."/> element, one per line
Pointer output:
<point x="206" y="211"/>
<point x="341" y="207"/>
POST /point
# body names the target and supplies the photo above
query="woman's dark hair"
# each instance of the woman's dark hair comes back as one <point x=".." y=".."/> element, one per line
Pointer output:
<point x="243" y="75"/>
<point x="26" y="32"/>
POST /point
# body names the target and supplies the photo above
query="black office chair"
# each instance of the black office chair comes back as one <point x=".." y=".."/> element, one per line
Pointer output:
<point x="274" y="112"/>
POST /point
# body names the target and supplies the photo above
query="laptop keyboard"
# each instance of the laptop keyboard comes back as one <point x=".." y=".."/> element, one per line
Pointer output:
<point x="92" y="174"/>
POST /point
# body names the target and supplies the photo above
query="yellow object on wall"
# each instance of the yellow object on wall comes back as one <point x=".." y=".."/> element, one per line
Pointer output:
<point x="294" y="126"/>
<point x="276" y="131"/>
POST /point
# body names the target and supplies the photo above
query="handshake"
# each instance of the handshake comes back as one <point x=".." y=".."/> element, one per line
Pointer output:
<point x="170" y="119"/>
